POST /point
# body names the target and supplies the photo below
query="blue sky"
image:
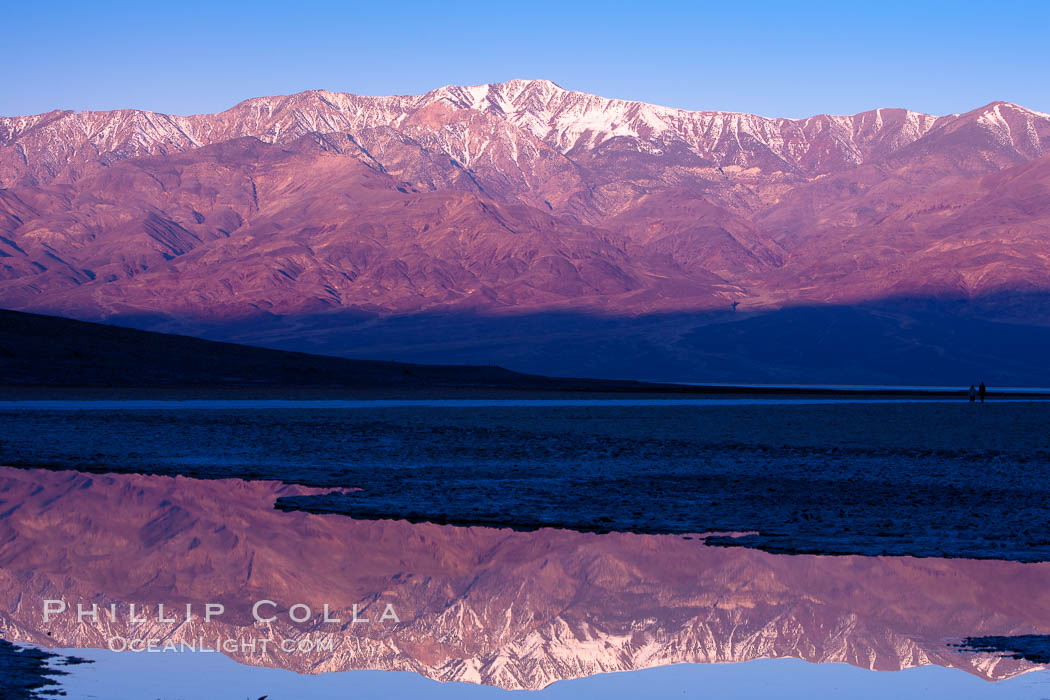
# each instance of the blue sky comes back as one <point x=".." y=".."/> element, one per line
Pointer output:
<point x="776" y="59"/>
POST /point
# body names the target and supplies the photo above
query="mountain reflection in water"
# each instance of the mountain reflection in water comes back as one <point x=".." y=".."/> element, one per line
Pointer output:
<point x="517" y="610"/>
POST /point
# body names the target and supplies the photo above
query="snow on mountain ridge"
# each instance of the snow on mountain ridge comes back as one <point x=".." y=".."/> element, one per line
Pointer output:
<point x="570" y="122"/>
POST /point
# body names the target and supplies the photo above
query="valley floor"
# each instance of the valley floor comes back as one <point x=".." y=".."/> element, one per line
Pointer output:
<point x="885" y="477"/>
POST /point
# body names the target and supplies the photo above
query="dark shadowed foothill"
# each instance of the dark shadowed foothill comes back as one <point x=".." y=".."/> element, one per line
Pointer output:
<point x="47" y="351"/>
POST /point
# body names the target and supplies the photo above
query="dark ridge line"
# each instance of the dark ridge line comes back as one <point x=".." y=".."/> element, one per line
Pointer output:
<point x="41" y="351"/>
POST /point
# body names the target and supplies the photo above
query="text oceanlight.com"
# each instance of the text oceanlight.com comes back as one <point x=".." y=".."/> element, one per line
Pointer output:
<point x="219" y="644"/>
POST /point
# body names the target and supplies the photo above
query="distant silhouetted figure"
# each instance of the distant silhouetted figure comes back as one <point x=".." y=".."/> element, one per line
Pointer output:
<point x="973" y="393"/>
<point x="982" y="390"/>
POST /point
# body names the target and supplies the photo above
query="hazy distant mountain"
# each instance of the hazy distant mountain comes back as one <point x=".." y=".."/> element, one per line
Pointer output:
<point x="515" y="197"/>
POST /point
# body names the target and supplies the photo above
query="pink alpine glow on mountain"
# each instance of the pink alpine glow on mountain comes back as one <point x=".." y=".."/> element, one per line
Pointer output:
<point x="518" y="194"/>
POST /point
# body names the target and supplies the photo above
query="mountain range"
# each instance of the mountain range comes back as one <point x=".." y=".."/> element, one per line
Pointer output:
<point x="414" y="227"/>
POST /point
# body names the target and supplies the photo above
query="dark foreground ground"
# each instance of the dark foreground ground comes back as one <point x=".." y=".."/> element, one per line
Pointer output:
<point x="922" y="479"/>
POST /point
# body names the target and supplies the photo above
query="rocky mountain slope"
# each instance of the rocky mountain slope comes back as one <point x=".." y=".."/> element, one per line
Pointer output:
<point x="517" y="197"/>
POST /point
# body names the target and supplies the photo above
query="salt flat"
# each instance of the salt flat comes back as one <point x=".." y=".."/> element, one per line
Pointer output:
<point x="888" y="477"/>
